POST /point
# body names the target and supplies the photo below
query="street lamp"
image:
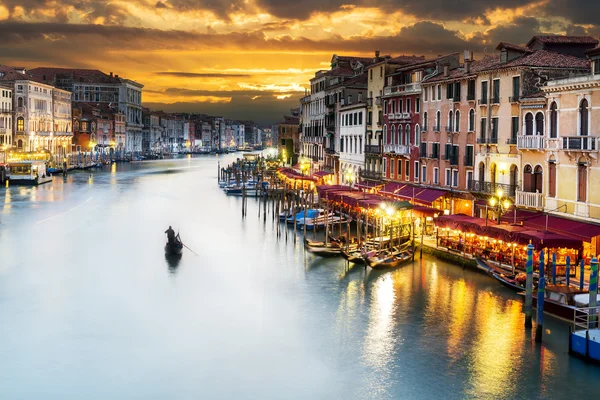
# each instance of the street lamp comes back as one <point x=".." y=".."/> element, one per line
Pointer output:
<point x="349" y="178"/>
<point x="500" y="203"/>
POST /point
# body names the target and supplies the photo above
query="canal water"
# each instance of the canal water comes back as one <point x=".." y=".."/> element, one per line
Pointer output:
<point x="91" y="309"/>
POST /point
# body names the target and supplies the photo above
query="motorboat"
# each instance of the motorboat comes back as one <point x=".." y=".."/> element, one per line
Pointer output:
<point x="29" y="172"/>
<point x="310" y="213"/>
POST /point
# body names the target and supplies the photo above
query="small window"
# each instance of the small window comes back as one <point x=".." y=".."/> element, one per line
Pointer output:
<point x="418" y="105"/>
<point x="407" y="169"/>
<point x="436" y="176"/>
<point x="423" y="173"/>
<point x="455" y="178"/>
<point x="448" y="181"/>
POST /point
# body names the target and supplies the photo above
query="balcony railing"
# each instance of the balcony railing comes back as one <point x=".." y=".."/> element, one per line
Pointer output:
<point x="372" y="149"/>
<point x="396" y="148"/>
<point x="491" y="187"/>
<point x="580" y="143"/>
<point x="495" y="100"/>
<point x="514" y="99"/>
<point x="370" y="102"/>
<point x="315" y="158"/>
<point x="482" y="101"/>
<point x="407" y="88"/>
<point x="21" y="109"/>
<point x="373" y="175"/>
<point x="399" y="116"/>
<point x="492" y="140"/>
<point x="530" y="142"/>
<point x="468" y="161"/>
<point x="529" y="200"/>
<point x="4" y="110"/>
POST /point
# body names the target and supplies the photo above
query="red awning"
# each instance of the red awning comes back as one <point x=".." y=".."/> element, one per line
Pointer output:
<point x="542" y="240"/>
<point x="391" y="187"/>
<point x="409" y="192"/>
<point x="427" y="210"/>
<point x="428" y="196"/>
<point x="321" y="174"/>
<point x="545" y="222"/>
<point x="368" y="185"/>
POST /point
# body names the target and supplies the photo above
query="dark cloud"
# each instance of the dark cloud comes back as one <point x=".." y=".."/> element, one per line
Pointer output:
<point x="576" y="11"/>
<point x="198" y="75"/>
<point x="222" y="93"/>
<point x="112" y="13"/>
<point x="517" y="32"/>
<point x="160" y="4"/>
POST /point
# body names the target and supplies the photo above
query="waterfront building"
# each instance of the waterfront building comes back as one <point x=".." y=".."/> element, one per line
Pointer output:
<point x="120" y="129"/>
<point x="353" y="123"/>
<point x="402" y="117"/>
<point x="289" y="138"/>
<point x="6" y="116"/>
<point x="519" y="72"/>
<point x="189" y="134"/>
<point x="152" y="132"/>
<point x="93" y="126"/>
<point x="89" y="85"/>
<point x="239" y="135"/>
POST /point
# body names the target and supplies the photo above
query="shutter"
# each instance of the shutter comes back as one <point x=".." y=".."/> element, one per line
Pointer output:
<point x="582" y="181"/>
<point x="552" y="180"/>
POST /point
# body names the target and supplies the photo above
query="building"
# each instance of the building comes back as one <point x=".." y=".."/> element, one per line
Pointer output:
<point x="239" y="134"/>
<point x="353" y="126"/>
<point x="89" y="85"/>
<point x="6" y="116"/>
<point x="289" y="138"/>
<point x="505" y="87"/>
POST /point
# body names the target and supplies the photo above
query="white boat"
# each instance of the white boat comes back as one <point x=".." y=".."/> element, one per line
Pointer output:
<point x="29" y="172"/>
<point x="314" y="218"/>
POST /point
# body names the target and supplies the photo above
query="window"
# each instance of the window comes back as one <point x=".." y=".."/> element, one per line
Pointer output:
<point x="496" y="93"/>
<point x="408" y="105"/>
<point x="471" y="120"/>
<point x="371" y="74"/>
<point x="381" y="71"/>
<point x="370" y="118"/>
<point x="553" y="120"/>
<point x="392" y="163"/>
<point x="425" y="92"/>
<point x="448" y="181"/>
<point x="355" y="118"/>
<point x="529" y="124"/>
<point x="360" y="118"/>
<point x="439" y="92"/>
<point x="494" y="133"/>
<point x="581" y="182"/>
<point x="418" y="104"/>
<point x="433" y="93"/>
<point x="436" y="176"/>
<point x="425" y="121"/>
<point x="450" y="121"/>
<point x="417" y="134"/>
<point x="399" y="109"/>
<point x="455" y="178"/>
<point x="469" y="156"/>
<point x="399" y="168"/>
<point x="20" y="124"/>
<point x="449" y="90"/>
<point x="471" y="90"/>
<point x="516" y="81"/>
<point x="583" y="118"/>
<point x="438" y="118"/>
<point x="456" y="91"/>
<point x="552" y="179"/>
<point x="392" y="134"/>
<point x="424" y="173"/>
<point x="482" y="133"/>
<point x="435" y="150"/>
<point x="385" y="136"/>
<point x="539" y="124"/>
<point x="596" y="66"/>
<point x="407" y="135"/>
<point x="469" y="176"/>
<point x="448" y="151"/>
<point x="514" y="129"/>
<point x="416" y="171"/>
<point x="457" y="121"/>
<point x="385" y="166"/>
<point x="407" y="169"/>
<point x="484" y="92"/>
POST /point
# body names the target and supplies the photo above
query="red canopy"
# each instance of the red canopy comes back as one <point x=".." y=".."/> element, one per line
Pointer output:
<point x="545" y="222"/>
<point x="321" y="174"/>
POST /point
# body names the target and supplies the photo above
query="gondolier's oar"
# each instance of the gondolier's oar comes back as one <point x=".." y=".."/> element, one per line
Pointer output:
<point x="190" y="249"/>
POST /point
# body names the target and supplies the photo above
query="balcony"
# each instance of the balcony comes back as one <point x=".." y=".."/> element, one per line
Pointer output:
<point x="305" y="99"/>
<point x="482" y="102"/>
<point x="372" y="175"/>
<point x="580" y="143"/>
<point x="495" y="100"/>
<point x="5" y="110"/>
<point x="399" y="116"/>
<point x="491" y="188"/>
<point x="378" y="101"/>
<point x="529" y="200"/>
<point x="21" y="109"/>
<point x="372" y="149"/>
<point x="403" y="89"/>
<point x="397" y="149"/>
<point x="530" y="142"/>
<point x="492" y="140"/>
<point x="370" y="102"/>
<point x="329" y="150"/>
<point x="468" y="161"/>
<point x="514" y="99"/>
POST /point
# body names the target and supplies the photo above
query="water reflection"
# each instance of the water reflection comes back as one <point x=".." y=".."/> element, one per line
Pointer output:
<point x="173" y="261"/>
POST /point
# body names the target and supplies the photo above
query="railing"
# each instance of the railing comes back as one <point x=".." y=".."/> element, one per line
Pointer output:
<point x="482" y="101"/>
<point x="370" y="102"/>
<point x="21" y="109"/>
<point x="372" y="149"/>
<point x="315" y="158"/>
<point x="366" y="174"/>
<point x="529" y="200"/>
<point x="514" y="99"/>
<point x="407" y="88"/>
<point x="453" y="160"/>
<point x="391" y="116"/>
<point x="511" y="141"/>
<point x="491" y="140"/>
<point x="582" y="143"/>
<point x="435" y="153"/>
<point x="305" y="99"/>
<point x="531" y="142"/>
<point x="468" y="161"/>
<point x="491" y="187"/>
<point x="396" y="148"/>
<point x="5" y="110"/>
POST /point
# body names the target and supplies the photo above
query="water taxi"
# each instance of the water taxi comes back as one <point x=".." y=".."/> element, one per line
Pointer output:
<point x="29" y="172"/>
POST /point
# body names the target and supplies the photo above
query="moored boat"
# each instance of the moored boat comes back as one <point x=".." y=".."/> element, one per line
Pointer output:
<point x="559" y="301"/>
<point x="514" y="281"/>
<point x="389" y="258"/>
<point x="29" y="172"/>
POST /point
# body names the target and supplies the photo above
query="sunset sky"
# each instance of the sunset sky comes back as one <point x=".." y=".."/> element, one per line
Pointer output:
<point x="253" y="58"/>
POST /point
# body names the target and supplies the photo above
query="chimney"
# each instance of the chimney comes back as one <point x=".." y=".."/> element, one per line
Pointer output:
<point x="468" y="58"/>
<point x="111" y="75"/>
<point x="446" y="68"/>
<point x="116" y="76"/>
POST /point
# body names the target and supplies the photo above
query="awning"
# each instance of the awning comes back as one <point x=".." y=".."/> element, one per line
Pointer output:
<point x="428" y="196"/>
<point x="426" y="211"/>
<point x="545" y="222"/>
<point x="321" y="174"/>
<point x="391" y="188"/>
<point x="368" y="185"/>
<point x="408" y="192"/>
<point x="542" y="240"/>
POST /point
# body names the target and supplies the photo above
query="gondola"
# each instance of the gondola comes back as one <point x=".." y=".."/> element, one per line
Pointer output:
<point x="509" y="280"/>
<point x="392" y="260"/>
<point x="174" y="249"/>
<point x="323" y="249"/>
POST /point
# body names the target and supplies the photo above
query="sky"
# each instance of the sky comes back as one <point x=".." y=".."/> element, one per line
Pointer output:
<point x="252" y="59"/>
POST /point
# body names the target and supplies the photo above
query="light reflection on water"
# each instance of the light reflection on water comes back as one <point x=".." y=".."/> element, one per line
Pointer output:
<point x="87" y="296"/>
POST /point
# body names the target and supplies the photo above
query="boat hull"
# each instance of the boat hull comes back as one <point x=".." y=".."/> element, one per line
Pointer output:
<point x="173" y="249"/>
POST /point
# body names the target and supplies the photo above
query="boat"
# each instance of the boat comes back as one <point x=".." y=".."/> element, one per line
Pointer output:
<point x="514" y="281"/>
<point x="310" y="213"/>
<point x="317" y="218"/>
<point x="321" y="221"/>
<point x="354" y="254"/>
<point x="559" y="301"/>
<point x="389" y="258"/>
<point x="29" y="172"/>
<point x="326" y="250"/>
<point x="249" y="189"/>
<point x="174" y="249"/>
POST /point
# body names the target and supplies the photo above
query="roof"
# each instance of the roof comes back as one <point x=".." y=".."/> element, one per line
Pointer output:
<point x="562" y="39"/>
<point x="10" y="74"/>
<point x="364" y="60"/>
<point x="461" y="72"/>
<point x="542" y="58"/>
<point x="406" y="59"/>
<point x="423" y="62"/>
<point x="49" y="74"/>
<point x="510" y="46"/>
<point x="593" y="52"/>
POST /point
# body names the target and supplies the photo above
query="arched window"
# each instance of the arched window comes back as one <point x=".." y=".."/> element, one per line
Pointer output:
<point x="407" y="135"/>
<point x="584" y="118"/>
<point x="393" y="134"/>
<point x="400" y="137"/>
<point x="539" y="124"/>
<point x="553" y="121"/>
<point x="529" y="124"/>
<point x="19" y="144"/>
<point x="528" y="183"/>
<point x="471" y="120"/>
<point x="457" y="121"/>
<point x="438" y="117"/>
<point x="538" y="176"/>
<point x="425" y="121"/>
<point x="450" y="121"/>
<point x="481" y="176"/>
<point x="417" y="134"/>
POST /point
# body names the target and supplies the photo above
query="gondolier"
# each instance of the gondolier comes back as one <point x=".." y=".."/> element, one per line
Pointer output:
<point x="170" y="235"/>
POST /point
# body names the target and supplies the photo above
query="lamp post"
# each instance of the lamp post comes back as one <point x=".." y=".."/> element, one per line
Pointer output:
<point x="500" y="203"/>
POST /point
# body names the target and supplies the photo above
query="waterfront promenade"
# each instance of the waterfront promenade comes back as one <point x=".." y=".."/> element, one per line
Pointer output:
<point x="90" y="307"/>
